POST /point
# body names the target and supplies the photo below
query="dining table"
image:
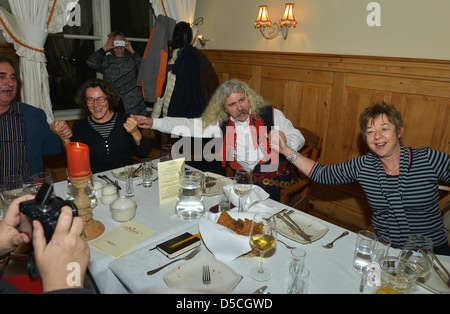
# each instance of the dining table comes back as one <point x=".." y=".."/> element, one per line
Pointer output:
<point x="331" y="270"/>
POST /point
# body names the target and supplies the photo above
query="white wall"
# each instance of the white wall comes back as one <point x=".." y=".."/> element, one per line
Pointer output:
<point x="409" y="28"/>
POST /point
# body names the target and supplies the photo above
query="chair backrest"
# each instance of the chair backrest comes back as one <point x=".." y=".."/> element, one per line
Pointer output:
<point x="310" y="149"/>
<point x="313" y="144"/>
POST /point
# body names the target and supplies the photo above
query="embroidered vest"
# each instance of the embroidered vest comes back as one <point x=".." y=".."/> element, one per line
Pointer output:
<point x="260" y="127"/>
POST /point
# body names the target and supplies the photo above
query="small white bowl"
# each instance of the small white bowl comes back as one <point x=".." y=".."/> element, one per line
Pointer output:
<point x="109" y="194"/>
<point x="97" y="187"/>
<point x="123" y="209"/>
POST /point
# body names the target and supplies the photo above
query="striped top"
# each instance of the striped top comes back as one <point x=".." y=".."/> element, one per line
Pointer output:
<point x="403" y="204"/>
<point x="13" y="159"/>
<point x="104" y="129"/>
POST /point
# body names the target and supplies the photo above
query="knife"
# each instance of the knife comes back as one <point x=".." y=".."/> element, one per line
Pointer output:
<point x="260" y="290"/>
<point x="295" y="224"/>
<point x="441" y="275"/>
<point x="299" y="231"/>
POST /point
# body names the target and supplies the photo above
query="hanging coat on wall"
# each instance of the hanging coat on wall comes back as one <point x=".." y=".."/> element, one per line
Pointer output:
<point x="152" y="72"/>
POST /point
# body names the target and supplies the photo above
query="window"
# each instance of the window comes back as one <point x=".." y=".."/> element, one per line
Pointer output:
<point x="67" y="52"/>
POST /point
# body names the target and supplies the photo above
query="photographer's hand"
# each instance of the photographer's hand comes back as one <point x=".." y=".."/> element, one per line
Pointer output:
<point x="65" y="247"/>
<point x="10" y="236"/>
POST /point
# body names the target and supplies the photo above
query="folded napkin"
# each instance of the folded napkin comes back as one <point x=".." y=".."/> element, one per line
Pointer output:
<point x="257" y="195"/>
<point x="224" y="243"/>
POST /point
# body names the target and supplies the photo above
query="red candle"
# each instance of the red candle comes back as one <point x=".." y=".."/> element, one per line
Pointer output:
<point x="78" y="163"/>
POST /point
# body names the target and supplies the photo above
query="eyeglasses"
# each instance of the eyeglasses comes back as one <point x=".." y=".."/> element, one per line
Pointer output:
<point x="100" y="100"/>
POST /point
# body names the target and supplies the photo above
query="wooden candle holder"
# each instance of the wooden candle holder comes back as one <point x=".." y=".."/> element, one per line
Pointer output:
<point x="92" y="228"/>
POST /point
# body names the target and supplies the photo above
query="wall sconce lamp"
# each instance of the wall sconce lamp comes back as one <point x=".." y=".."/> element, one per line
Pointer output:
<point x="264" y="24"/>
<point x="202" y="40"/>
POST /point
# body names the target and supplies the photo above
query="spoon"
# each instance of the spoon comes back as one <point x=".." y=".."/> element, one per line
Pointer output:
<point x="330" y="245"/>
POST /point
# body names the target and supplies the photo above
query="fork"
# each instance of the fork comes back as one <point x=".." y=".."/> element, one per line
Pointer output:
<point x="206" y="276"/>
<point x="187" y="257"/>
<point x="287" y="246"/>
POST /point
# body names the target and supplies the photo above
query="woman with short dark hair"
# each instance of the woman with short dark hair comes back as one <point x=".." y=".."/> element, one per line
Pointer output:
<point x="401" y="183"/>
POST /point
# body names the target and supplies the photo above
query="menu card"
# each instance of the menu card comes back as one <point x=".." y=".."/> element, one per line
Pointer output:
<point x="123" y="238"/>
<point x="169" y="179"/>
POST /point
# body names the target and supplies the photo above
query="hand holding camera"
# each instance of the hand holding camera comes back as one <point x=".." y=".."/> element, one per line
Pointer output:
<point x="57" y="239"/>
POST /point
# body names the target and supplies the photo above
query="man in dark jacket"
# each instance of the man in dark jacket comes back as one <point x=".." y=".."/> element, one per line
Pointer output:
<point x="25" y="135"/>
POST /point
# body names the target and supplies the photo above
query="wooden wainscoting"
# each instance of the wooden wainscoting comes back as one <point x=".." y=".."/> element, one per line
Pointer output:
<point x="327" y="93"/>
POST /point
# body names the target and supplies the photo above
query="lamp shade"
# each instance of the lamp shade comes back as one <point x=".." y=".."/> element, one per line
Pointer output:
<point x="263" y="17"/>
<point x="288" y="16"/>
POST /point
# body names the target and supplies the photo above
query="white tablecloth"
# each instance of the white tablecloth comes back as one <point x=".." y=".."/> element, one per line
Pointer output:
<point x="331" y="269"/>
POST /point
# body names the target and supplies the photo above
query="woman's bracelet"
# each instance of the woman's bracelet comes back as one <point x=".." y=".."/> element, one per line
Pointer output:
<point x="293" y="156"/>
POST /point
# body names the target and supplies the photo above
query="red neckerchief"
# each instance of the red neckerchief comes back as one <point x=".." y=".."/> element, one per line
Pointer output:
<point x="229" y="142"/>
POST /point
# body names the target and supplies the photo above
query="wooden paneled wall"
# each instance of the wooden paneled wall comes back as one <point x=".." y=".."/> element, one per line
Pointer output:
<point x="327" y="93"/>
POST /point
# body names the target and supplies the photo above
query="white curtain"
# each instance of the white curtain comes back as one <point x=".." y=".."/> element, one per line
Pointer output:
<point x="27" y="28"/>
<point x="179" y="10"/>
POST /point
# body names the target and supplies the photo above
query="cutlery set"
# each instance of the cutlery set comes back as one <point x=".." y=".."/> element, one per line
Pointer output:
<point x="292" y="224"/>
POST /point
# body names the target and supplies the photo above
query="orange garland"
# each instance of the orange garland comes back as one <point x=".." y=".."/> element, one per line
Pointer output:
<point x="17" y="40"/>
<point x="51" y="13"/>
<point x="25" y="45"/>
<point x="164" y="8"/>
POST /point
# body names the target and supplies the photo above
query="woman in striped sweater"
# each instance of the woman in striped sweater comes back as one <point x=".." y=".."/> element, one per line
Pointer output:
<point x="401" y="183"/>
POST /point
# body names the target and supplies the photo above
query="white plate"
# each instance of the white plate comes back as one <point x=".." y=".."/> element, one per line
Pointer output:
<point x="311" y="226"/>
<point x="433" y="282"/>
<point x="189" y="276"/>
<point x="119" y="173"/>
<point x="220" y="182"/>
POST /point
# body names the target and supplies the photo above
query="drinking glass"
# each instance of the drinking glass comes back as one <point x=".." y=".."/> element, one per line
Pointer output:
<point x="223" y="200"/>
<point x="297" y="258"/>
<point x="366" y="243"/>
<point x="129" y="188"/>
<point x="3" y="206"/>
<point x="41" y="177"/>
<point x="382" y="248"/>
<point x="12" y="188"/>
<point x="418" y="251"/>
<point x="147" y="172"/>
<point x="166" y="152"/>
<point x="243" y="186"/>
<point x="298" y="280"/>
<point x="263" y="237"/>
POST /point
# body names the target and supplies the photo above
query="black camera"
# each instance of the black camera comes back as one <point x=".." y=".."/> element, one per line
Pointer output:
<point x="46" y="209"/>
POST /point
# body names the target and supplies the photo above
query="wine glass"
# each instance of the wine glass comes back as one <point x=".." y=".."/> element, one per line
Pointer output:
<point x="12" y="188"/>
<point x="263" y="237"/>
<point x="419" y="255"/>
<point x="243" y="186"/>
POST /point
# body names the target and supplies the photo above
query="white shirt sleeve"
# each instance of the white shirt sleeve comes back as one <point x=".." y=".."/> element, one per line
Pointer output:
<point x="186" y="127"/>
<point x="294" y="137"/>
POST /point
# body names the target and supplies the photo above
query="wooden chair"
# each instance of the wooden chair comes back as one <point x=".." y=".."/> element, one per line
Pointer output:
<point x="298" y="194"/>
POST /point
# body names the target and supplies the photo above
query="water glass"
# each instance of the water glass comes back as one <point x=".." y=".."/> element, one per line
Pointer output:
<point x="147" y="172"/>
<point x="166" y="152"/>
<point x="129" y="189"/>
<point x="298" y="280"/>
<point x="382" y="248"/>
<point x="12" y="188"/>
<point x="223" y="201"/>
<point x="297" y="258"/>
<point x="366" y="244"/>
<point x="41" y="177"/>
